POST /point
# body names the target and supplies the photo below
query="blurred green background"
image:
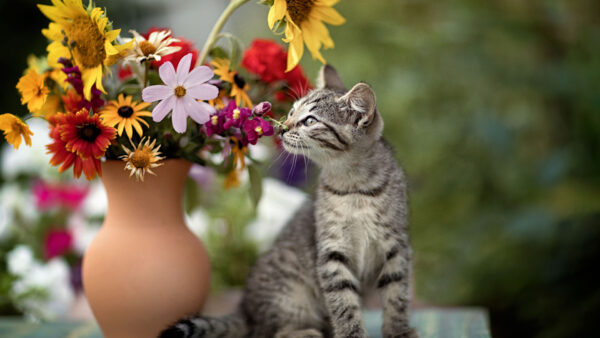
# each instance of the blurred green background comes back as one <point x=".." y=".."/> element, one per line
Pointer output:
<point x="494" y="110"/>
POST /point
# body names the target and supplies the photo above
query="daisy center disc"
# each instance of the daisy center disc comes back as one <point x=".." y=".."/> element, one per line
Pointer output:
<point x="299" y="9"/>
<point x="180" y="91"/>
<point x="239" y="81"/>
<point x="125" y="111"/>
<point x="141" y="158"/>
<point x="89" y="132"/>
<point x="88" y="42"/>
<point x="147" y="48"/>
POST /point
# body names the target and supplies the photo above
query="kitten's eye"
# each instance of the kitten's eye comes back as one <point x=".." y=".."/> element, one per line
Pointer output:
<point x="309" y="121"/>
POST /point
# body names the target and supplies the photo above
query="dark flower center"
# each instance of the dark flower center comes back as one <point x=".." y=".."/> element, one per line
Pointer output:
<point x="89" y="132"/>
<point x="239" y="81"/>
<point x="87" y="41"/>
<point x="299" y="9"/>
<point x="125" y="111"/>
<point x="147" y="48"/>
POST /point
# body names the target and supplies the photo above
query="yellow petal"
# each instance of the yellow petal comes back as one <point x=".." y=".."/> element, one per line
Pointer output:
<point x="276" y="12"/>
<point x="295" y="52"/>
<point x="313" y="43"/>
<point x="327" y="14"/>
<point x="128" y="129"/>
<point x="326" y="2"/>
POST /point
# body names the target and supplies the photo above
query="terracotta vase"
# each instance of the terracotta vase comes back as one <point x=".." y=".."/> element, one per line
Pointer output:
<point x="144" y="269"/>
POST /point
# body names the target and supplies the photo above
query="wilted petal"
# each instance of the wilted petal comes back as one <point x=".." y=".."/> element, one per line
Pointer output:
<point x="163" y="108"/>
<point x="156" y="93"/>
<point x="179" y="116"/>
<point x="203" y="92"/>
<point x="198" y="75"/>
<point x="167" y="74"/>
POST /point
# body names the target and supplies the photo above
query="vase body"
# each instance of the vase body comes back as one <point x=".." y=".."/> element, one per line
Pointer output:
<point x="144" y="269"/>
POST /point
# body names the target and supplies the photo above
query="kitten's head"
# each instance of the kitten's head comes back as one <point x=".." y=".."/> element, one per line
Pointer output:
<point x="331" y="121"/>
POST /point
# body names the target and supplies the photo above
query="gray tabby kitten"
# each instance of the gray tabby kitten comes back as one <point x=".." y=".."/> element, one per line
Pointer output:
<point x="352" y="238"/>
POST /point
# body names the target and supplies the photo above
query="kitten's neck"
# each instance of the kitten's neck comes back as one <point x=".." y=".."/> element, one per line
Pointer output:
<point x="359" y="168"/>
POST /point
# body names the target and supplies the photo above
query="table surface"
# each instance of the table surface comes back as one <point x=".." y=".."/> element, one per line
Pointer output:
<point x="431" y="323"/>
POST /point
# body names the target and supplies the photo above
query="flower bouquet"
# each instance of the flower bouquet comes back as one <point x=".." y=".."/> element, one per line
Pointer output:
<point x="140" y="101"/>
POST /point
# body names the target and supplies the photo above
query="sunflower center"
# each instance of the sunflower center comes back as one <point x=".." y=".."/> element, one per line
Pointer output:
<point x="141" y="158"/>
<point x="299" y="9"/>
<point x="87" y="41"/>
<point x="239" y="81"/>
<point x="147" y="48"/>
<point x="89" y="132"/>
<point x="180" y="91"/>
<point x="125" y="111"/>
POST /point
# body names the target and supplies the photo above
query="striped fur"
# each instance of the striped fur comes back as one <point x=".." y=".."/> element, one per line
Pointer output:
<point x="351" y="239"/>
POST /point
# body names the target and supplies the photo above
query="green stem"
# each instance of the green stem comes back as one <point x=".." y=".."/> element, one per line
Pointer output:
<point x="146" y="70"/>
<point x="213" y="36"/>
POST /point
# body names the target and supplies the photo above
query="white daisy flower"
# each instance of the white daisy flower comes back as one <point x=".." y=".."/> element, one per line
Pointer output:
<point x="156" y="46"/>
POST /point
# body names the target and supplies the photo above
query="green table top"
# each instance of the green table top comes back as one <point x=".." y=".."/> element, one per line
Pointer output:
<point x="431" y="323"/>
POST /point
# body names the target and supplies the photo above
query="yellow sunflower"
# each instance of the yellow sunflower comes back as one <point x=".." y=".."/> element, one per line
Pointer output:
<point x="239" y="87"/>
<point x="142" y="159"/>
<point x="84" y="35"/>
<point x="13" y="129"/>
<point x="125" y="113"/>
<point x="304" y="24"/>
<point x="32" y="89"/>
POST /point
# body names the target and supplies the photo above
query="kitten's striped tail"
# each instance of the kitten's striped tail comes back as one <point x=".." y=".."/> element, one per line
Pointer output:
<point x="231" y="326"/>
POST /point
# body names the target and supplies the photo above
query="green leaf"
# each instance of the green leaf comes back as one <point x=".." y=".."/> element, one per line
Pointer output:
<point x="235" y="49"/>
<point x="255" y="184"/>
<point x="218" y="53"/>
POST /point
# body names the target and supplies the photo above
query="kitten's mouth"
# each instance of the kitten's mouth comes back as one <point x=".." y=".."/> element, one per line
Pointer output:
<point x="293" y="145"/>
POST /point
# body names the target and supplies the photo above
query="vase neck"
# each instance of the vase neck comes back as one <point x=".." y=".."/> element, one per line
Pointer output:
<point x="157" y="201"/>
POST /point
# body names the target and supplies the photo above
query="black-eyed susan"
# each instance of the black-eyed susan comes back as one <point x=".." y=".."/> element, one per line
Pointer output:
<point x="142" y="159"/>
<point x="14" y="129"/>
<point x="32" y="89"/>
<point x="239" y="87"/>
<point x="304" y="25"/>
<point x="85" y="35"/>
<point x="125" y="114"/>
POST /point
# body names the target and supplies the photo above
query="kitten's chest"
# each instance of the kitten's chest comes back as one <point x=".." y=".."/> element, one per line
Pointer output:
<point x="357" y="221"/>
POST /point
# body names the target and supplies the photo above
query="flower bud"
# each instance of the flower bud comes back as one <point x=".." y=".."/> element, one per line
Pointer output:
<point x="261" y="108"/>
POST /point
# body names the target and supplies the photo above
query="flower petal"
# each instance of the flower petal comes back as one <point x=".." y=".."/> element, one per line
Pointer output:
<point x="276" y="12"/>
<point x="156" y="92"/>
<point x="295" y="52"/>
<point x="179" y="116"/>
<point x="163" y="108"/>
<point x="167" y="74"/>
<point x="327" y="14"/>
<point x="203" y="91"/>
<point x="198" y="75"/>
<point x="198" y="111"/>
<point x="183" y="68"/>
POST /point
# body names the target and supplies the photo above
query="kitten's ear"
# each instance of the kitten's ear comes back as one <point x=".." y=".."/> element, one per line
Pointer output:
<point x="361" y="100"/>
<point x="329" y="78"/>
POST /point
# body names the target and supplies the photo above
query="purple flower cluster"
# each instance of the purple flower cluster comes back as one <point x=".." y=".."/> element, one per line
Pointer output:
<point x="74" y="78"/>
<point x="245" y="124"/>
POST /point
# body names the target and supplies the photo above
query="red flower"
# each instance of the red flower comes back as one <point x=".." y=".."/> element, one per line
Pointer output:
<point x="186" y="47"/>
<point x="266" y="59"/>
<point x="57" y="242"/>
<point x="125" y="73"/>
<point x="79" y="140"/>
<point x="298" y="85"/>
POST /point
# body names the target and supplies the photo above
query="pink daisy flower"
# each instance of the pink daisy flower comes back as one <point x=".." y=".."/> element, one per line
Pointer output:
<point x="180" y="93"/>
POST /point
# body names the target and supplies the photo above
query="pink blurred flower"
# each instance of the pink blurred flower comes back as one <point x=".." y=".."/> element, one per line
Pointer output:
<point x="48" y="196"/>
<point x="58" y="241"/>
<point x="180" y="93"/>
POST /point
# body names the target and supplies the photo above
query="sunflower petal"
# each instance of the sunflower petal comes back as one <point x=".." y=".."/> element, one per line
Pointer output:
<point x="327" y="14"/>
<point x="295" y="52"/>
<point x="276" y="12"/>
